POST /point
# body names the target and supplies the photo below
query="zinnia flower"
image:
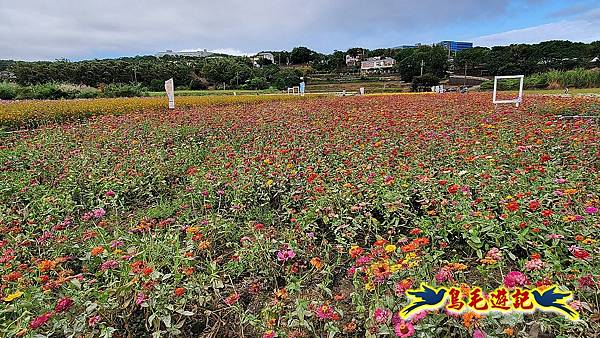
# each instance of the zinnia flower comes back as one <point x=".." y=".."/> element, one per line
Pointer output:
<point x="534" y="264"/>
<point x="41" y="320"/>
<point x="579" y="252"/>
<point x="109" y="265"/>
<point x="591" y="210"/>
<point x="381" y="315"/>
<point x="94" y="320"/>
<point x="141" y="298"/>
<point x="232" y="298"/>
<point x="285" y="255"/>
<point x="404" y="329"/>
<point x="63" y="305"/>
<point x="99" y="213"/>
<point x="443" y="275"/>
<point x="478" y="334"/>
<point x="324" y="312"/>
<point x="515" y="278"/>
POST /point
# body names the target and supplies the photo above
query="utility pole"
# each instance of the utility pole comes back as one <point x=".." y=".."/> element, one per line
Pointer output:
<point x="422" y="64"/>
<point x="465" y="81"/>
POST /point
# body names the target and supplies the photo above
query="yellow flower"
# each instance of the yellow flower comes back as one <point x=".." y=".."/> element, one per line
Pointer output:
<point x="395" y="267"/>
<point x="13" y="296"/>
<point x="369" y="286"/>
<point x="390" y="248"/>
<point x="269" y="183"/>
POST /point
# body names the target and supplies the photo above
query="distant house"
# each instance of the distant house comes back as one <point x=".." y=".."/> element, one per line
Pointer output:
<point x="263" y="55"/>
<point x="377" y="64"/>
<point x="196" y="53"/>
<point x="352" y="61"/>
<point x="407" y="46"/>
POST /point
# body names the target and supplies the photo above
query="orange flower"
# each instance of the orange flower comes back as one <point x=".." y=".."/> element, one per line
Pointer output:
<point x="204" y="245"/>
<point x="46" y="265"/>
<point x="317" y="263"/>
<point x="97" y="250"/>
<point x="179" y="292"/>
<point x="280" y="294"/>
<point x="469" y="318"/>
<point x="380" y="242"/>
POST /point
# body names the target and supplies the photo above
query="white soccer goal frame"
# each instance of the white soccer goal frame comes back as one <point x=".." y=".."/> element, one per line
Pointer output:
<point x="516" y="101"/>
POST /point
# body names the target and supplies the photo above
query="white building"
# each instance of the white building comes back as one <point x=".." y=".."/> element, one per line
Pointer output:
<point x="352" y="60"/>
<point x="195" y="53"/>
<point x="263" y="55"/>
<point x="377" y="64"/>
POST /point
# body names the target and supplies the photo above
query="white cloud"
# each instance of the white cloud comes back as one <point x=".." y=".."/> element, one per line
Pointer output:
<point x="42" y="29"/>
<point x="584" y="28"/>
<point x="232" y="51"/>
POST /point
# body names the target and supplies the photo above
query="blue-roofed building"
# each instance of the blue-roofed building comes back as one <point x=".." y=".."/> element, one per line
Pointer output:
<point x="456" y="46"/>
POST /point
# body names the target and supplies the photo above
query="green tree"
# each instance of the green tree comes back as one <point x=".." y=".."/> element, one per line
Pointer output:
<point x="302" y="55"/>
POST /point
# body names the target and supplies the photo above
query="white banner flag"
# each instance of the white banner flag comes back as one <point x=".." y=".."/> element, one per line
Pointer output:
<point x="170" y="88"/>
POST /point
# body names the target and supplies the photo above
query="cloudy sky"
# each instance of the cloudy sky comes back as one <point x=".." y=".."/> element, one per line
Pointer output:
<point x="80" y="29"/>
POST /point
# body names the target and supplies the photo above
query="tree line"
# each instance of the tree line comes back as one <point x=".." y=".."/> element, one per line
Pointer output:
<point x="223" y="71"/>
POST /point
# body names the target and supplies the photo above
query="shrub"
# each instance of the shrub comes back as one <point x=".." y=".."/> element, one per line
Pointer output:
<point x="123" y="90"/>
<point x="8" y="91"/>
<point x="257" y="83"/>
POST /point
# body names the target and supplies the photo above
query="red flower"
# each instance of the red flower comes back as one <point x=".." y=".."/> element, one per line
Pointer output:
<point x="179" y="292"/>
<point x="512" y="206"/>
<point x="534" y="205"/>
<point x="41" y="320"/>
<point x="232" y="298"/>
<point x="453" y="188"/>
<point x="63" y="305"/>
<point x="547" y="213"/>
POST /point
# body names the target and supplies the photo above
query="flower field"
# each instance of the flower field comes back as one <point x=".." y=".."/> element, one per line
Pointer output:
<point x="32" y="113"/>
<point x="285" y="217"/>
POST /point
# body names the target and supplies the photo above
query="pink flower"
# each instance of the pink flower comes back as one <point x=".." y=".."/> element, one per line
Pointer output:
<point x="515" y="278"/>
<point x="478" y="334"/>
<point x="404" y="329"/>
<point x="401" y="287"/>
<point x="63" y="305"/>
<point x="285" y="255"/>
<point x="494" y="253"/>
<point x="324" y="312"/>
<point x="41" y="320"/>
<point x="418" y="316"/>
<point x="99" y="213"/>
<point x="116" y="244"/>
<point x="534" y="264"/>
<point x="362" y="260"/>
<point x="578" y="305"/>
<point x="591" y="210"/>
<point x="443" y="275"/>
<point x="109" y="265"/>
<point x="141" y="298"/>
<point x="381" y="315"/>
<point x="94" y="320"/>
<point x="555" y="236"/>
<point x="110" y="193"/>
<point x="269" y="334"/>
